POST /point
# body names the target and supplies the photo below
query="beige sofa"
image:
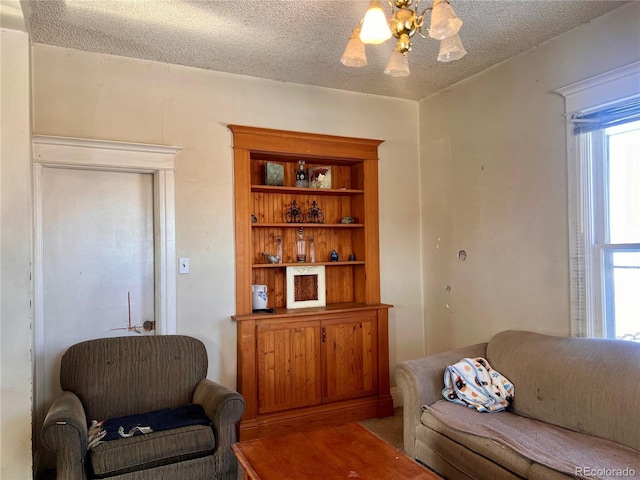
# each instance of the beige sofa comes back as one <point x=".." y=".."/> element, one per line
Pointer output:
<point x="575" y="414"/>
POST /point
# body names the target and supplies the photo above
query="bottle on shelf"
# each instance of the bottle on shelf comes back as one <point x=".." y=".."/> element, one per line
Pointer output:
<point x="312" y="249"/>
<point x="301" y="247"/>
<point x="279" y="248"/>
<point x="302" y="177"/>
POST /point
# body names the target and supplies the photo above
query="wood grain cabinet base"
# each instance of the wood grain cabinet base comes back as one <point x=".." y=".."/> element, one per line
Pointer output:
<point x="308" y="367"/>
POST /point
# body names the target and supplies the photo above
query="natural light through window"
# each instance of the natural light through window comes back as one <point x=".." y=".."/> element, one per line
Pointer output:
<point x="621" y="249"/>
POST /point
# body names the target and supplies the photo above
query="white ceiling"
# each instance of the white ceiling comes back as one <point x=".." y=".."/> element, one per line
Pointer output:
<point x="299" y="41"/>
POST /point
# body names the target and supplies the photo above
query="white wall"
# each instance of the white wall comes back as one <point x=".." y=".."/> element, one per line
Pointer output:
<point x="99" y="96"/>
<point x="494" y="183"/>
<point x="15" y="252"/>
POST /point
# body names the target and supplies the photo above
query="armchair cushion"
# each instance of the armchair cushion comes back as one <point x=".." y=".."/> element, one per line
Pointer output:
<point x="165" y="419"/>
<point x="142" y="452"/>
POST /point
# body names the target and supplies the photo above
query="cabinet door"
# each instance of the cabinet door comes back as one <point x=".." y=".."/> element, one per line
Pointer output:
<point x="288" y="365"/>
<point x="349" y="356"/>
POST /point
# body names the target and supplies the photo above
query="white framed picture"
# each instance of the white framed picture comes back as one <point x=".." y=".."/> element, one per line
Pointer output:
<point x="306" y="286"/>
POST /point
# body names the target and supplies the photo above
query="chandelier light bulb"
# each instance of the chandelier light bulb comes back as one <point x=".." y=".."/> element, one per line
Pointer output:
<point x="375" y="27"/>
<point x="451" y="49"/>
<point x="398" y="65"/>
<point x="444" y="21"/>
<point x="354" y="54"/>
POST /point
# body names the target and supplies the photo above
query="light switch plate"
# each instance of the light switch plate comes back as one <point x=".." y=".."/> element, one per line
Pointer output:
<point x="183" y="266"/>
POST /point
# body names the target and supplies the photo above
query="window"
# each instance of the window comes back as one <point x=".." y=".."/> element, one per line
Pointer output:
<point x="612" y="159"/>
<point x="603" y="138"/>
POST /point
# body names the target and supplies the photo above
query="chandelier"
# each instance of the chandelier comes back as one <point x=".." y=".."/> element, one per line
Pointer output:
<point x="374" y="28"/>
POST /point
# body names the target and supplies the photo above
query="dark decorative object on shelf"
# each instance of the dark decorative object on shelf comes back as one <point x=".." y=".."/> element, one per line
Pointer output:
<point x="314" y="215"/>
<point x="352" y="257"/>
<point x="333" y="256"/>
<point x="348" y="219"/>
<point x="294" y="214"/>
<point x="302" y="177"/>
<point x="254" y="219"/>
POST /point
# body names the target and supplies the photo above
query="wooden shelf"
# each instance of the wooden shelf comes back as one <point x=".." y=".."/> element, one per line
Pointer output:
<point x="305" y="191"/>
<point x="329" y="264"/>
<point x="308" y="225"/>
<point x="311" y="312"/>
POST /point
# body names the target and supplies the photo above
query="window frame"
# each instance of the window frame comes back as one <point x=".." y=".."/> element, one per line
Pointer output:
<point x="587" y="221"/>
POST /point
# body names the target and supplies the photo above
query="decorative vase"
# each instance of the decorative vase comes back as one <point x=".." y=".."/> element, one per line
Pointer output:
<point x="259" y="297"/>
<point x="333" y="256"/>
<point x="312" y="249"/>
<point x="279" y="249"/>
<point x="301" y="247"/>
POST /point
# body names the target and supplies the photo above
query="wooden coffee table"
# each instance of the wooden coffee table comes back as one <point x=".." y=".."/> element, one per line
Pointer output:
<point x="337" y="452"/>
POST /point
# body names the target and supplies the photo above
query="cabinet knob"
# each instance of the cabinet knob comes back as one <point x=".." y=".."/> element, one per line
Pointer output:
<point x="324" y="334"/>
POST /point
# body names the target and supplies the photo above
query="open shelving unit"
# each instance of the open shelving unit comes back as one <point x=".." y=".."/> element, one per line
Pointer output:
<point x="300" y="368"/>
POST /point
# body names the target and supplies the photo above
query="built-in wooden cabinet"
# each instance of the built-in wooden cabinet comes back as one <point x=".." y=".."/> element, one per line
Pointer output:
<point x="305" y="367"/>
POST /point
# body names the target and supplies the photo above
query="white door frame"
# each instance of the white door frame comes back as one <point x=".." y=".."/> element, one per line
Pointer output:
<point x="86" y="154"/>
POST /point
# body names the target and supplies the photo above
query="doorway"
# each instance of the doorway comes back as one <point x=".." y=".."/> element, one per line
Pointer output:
<point x="104" y="260"/>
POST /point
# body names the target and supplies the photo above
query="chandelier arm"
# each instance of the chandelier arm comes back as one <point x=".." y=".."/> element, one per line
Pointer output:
<point x="390" y="2"/>
<point x="421" y="20"/>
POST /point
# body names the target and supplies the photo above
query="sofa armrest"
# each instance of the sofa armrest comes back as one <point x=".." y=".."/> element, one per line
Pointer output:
<point x="421" y="382"/>
<point x="225" y="408"/>
<point x="65" y="432"/>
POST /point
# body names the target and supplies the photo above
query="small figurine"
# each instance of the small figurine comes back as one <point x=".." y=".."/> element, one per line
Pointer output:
<point x="352" y="257"/>
<point x="333" y="256"/>
<point x="347" y="219"/>
<point x="254" y="219"/>
<point x="271" y="258"/>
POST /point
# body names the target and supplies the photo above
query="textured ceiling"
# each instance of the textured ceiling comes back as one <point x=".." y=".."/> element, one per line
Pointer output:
<point x="299" y="41"/>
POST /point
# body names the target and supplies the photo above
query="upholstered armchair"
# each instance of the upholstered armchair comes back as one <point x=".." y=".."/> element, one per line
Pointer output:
<point x="112" y="379"/>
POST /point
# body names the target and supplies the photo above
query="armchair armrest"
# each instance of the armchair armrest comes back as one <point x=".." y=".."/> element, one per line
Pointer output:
<point x="225" y="408"/>
<point x="65" y="432"/>
<point x="421" y="382"/>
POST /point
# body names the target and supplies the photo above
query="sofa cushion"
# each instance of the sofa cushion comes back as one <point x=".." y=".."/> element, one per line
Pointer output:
<point x="586" y="385"/>
<point x="482" y="445"/>
<point x="454" y="460"/>
<point x="154" y="449"/>
<point x="515" y="441"/>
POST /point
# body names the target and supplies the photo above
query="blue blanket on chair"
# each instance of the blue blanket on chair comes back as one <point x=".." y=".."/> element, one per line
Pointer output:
<point x="166" y="419"/>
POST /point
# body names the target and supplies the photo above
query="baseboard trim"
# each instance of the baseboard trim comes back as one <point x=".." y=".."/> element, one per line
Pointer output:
<point x="396" y="394"/>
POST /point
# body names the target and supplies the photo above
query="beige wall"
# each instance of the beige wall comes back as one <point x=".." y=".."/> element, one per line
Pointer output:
<point x="90" y="95"/>
<point x="494" y="183"/>
<point x="493" y="180"/>
<point x="15" y="255"/>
